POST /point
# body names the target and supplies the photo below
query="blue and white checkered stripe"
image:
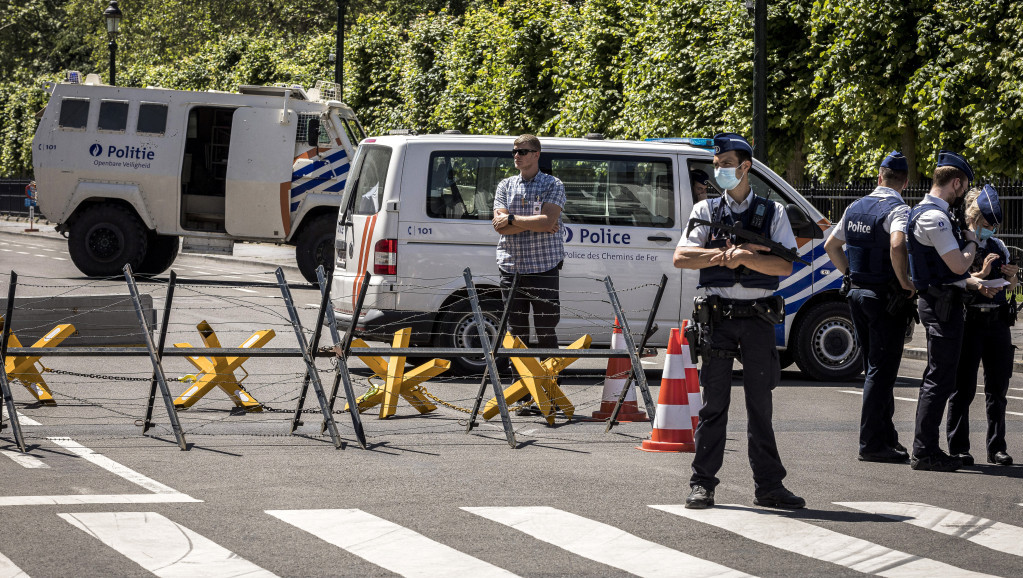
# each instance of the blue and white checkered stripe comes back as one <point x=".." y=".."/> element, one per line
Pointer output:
<point x="327" y="175"/>
<point x="806" y="281"/>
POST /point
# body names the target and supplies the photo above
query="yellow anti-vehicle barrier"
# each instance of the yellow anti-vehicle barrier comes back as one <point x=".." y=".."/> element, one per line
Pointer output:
<point x="397" y="381"/>
<point x="219" y="371"/>
<point x="539" y="379"/>
<point x="24" y="368"/>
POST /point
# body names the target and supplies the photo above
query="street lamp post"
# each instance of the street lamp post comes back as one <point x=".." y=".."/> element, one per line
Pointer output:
<point x="758" y="11"/>
<point x="339" y="59"/>
<point x="113" y="17"/>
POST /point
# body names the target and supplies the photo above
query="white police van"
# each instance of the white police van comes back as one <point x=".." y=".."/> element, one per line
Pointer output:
<point x="418" y="209"/>
<point x="126" y="172"/>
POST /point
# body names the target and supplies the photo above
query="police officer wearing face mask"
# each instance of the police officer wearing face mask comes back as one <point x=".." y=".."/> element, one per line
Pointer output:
<point x="940" y="255"/>
<point x="874" y="231"/>
<point x="741" y="279"/>
<point x="986" y="335"/>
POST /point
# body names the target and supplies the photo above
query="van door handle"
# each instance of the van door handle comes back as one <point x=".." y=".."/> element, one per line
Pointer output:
<point x="659" y="237"/>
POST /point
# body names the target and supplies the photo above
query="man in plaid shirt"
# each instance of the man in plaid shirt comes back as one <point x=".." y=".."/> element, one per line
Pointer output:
<point x="527" y="214"/>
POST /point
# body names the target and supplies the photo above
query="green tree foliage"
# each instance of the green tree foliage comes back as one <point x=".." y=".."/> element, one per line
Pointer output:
<point x="848" y="80"/>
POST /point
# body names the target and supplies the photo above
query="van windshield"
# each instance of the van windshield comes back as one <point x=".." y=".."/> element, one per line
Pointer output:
<point x="367" y="179"/>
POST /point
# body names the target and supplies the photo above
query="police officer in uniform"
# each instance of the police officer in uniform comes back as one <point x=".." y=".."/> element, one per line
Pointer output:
<point x="874" y="231"/>
<point x="741" y="279"/>
<point x="940" y="255"/>
<point x="986" y="335"/>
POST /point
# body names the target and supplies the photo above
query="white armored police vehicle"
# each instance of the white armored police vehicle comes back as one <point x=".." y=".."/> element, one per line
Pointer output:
<point x="127" y="172"/>
<point x="418" y="210"/>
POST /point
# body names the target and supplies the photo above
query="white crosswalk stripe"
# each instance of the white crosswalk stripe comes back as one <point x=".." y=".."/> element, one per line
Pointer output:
<point x="780" y="531"/>
<point x="162" y="546"/>
<point x="9" y="569"/>
<point x="387" y="544"/>
<point x="601" y="542"/>
<point x="995" y="535"/>
<point x="24" y="460"/>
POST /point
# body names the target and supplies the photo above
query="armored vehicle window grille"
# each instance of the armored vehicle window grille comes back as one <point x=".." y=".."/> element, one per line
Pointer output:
<point x="152" y="118"/>
<point x="74" y="112"/>
<point x="113" y="115"/>
<point x="323" y="138"/>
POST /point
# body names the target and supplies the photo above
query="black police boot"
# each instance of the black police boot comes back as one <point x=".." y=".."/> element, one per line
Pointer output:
<point x="780" y="498"/>
<point x="939" y="462"/>
<point x="999" y="459"/>
<point x="887" y="455"/>
<point x="966" y="458"/>
<point x="700" y="498"/>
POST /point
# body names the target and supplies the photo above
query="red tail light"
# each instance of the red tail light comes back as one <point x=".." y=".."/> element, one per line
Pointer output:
<point x="385" y="257"/>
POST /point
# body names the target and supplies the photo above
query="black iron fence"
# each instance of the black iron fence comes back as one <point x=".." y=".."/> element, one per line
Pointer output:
<point x="831" y="199"/>
<point x="12" y="197"/>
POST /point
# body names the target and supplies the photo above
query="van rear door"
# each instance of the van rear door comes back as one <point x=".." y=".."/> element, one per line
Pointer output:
<point x="259" y="173"/>
<point x="359" y="234"/>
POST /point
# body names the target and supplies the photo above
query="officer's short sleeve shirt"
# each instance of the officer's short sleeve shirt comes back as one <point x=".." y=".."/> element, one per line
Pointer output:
<point x="933" y="227"/>
<point x="897" y="219"/>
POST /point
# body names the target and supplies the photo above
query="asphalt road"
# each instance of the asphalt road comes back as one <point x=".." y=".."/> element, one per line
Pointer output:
<point x="96" y="497"/>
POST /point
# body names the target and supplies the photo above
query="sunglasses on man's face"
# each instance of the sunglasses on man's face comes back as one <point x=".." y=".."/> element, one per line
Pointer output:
<point x="517" y="152"/>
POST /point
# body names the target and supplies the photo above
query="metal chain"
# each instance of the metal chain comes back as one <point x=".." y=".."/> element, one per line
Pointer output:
<point x="101" y="376"/>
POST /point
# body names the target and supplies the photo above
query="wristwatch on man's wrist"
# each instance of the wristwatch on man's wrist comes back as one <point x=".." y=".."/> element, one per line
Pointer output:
<point x="511" y="219"/>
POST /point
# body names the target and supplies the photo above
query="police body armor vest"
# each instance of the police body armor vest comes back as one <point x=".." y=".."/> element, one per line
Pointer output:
<point x="758" y="218"/>
<point x="867" y="243"/>
<point x="925" y="264"/>
<point x="978" y="263"/>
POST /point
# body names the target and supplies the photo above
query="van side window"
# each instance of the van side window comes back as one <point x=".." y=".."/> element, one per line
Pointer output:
<point x="462" y="184"/>
<point x="152" y="118"/>
<point x="113" y="115"/>
<point x="74" y="112"/>
<point x="370" y="174"/>
<point x="614" y="190"/>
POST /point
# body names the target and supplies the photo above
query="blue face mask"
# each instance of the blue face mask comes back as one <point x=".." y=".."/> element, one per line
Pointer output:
<point x="984" y="234"/>
<point x="726" y="178"/>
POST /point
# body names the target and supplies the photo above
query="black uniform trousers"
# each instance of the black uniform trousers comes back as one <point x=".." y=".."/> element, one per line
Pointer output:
<point x="760" y="373"/>
<point x="539" y="291"/>
<point x="944" y="344"/>
<point x="986" y="338"/>
<point x="881" y="337"/>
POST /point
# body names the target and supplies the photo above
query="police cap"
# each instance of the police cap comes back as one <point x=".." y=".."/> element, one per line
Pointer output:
<point x="951" y="159"/>
<point x="895" y="161"/>
<point x="698" y="176"/>
<point x="989" y="206"/>
<point x="730" y="141"/>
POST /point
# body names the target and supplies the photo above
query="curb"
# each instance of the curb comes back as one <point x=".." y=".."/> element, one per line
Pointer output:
<point x="291" y="269"/>
<point x="921" y="354"/>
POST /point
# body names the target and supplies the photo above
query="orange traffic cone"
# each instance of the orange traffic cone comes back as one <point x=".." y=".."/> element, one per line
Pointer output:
<point x="692" y="380"/>
<point x="673" y="422"/>
<point x="618" y="370"/>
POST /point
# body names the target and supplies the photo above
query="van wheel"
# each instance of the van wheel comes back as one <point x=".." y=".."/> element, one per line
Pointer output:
<point x="825" y="343"/>
<point x="457" y="328"/>
<point x="105" y="238"/>
<point x="160" y="255"/>
<point x="315" y="247"/>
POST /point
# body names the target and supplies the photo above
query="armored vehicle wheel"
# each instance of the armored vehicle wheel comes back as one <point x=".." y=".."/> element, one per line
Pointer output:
<point x="315" y="247"/>
<point x="105" y="238"/>
<point x="825" y="345"/>
<point x="160" y="255"/>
